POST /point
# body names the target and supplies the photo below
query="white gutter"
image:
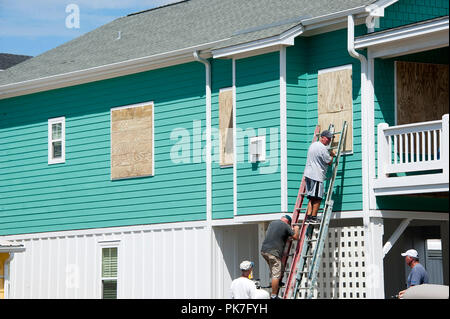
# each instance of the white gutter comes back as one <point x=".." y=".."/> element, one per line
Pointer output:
<point x="208" y="168"/>
<point x="102" y="72"/>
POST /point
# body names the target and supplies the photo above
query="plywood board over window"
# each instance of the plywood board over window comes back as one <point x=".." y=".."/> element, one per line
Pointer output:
<point x="334" y="101"/>
<point x="226" y="126"/>
<point x="422" y="91"/>
<point x="132" y="141"/>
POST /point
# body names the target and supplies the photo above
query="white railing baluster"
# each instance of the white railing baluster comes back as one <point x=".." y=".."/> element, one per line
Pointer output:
<point x="429" y="146"/>
<point x="401" y="149"/>
<point x="390" y="150"/>
<point x="395" y="149"/>
<point x="434" y="145"/>
<point x="423" y="146"/>
<point x="417" y="147"/>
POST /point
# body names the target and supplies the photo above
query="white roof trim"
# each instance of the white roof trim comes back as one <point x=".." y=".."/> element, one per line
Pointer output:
<point x="286" y="38"/>
<point x="10" y="247"/>
<point x="103" y="72"/>
<point x="407" y="32"/>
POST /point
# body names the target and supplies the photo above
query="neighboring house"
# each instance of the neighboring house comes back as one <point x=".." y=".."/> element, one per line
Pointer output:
<point x="125" y="159"/>
<point x="7" y="60"/>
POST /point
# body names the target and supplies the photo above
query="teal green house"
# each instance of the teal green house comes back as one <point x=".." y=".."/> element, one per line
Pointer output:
<point x="146" y="158"/>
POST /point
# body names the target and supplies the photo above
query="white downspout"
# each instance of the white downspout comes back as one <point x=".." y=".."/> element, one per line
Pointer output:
<point x="373" y="227"/>
<point x="208" y="169"/>
<point x="364" y="133"/>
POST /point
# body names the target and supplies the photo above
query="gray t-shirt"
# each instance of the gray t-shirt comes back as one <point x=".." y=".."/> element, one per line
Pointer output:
<point x="417" y="276"/>
<point x="317" y="162"/>
<point x="276" y="237"/>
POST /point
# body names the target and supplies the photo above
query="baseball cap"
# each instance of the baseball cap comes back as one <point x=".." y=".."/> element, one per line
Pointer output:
<point x="327" y="133"/>
<point x="411" y="253"/>
<point x="288" y="218"/>
<point x="246" y="265"/>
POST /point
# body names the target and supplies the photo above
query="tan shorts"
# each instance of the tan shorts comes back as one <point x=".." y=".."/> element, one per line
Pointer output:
<point x="274" y="264"/>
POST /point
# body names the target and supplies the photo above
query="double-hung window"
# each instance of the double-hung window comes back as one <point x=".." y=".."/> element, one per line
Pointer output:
<point x="56" y="140"/>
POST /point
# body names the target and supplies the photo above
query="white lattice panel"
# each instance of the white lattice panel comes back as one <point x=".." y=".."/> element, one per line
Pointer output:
<point x="342" y="271"/>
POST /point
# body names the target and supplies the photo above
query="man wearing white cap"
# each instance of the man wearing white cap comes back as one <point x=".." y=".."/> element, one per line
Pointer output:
<point x="243" y="287"/>
<point x="418" y="274"/>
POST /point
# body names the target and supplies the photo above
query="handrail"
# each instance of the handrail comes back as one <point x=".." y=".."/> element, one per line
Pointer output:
<point x="414" y="147"/>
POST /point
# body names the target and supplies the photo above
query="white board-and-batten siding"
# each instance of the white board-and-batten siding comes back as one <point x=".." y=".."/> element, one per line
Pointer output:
<point x="162" y="261"/>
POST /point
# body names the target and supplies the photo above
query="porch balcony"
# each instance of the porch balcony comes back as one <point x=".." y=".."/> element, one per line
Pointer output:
<point x="413" y="158"/>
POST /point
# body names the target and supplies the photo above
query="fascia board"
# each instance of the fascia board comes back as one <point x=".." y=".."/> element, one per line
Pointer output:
<point x="401" y="34"/>
<point x="286" y="38"/>
<point x="103" y="72"/>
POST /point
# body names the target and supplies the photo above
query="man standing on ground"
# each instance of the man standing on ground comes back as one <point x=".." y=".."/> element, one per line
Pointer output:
<point x="317" y="162"/>
<point x="243" y="287"/>
<point x="418" y="274"/>
<point x="278" y="233"/>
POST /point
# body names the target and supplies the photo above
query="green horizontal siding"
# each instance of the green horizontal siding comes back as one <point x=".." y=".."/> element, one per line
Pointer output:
<point x="222" y="178"/>
<point x="258" y="107"/>
<point x="304" y="60"/>
<point x="37" y="197"/>
<point x="406" y="12"/>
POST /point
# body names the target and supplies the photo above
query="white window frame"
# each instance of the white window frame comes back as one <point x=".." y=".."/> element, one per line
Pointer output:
<point x="115" y="243"/>
<point x="62" y="159"/>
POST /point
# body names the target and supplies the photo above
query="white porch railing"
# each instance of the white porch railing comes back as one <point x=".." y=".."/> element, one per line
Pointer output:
<point x="418" y="147"/>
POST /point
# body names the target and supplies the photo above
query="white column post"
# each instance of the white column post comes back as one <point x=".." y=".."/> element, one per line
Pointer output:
<point x="283" y="132"/>
<point x="373" y="244"/>
<point x="383" y="151"/>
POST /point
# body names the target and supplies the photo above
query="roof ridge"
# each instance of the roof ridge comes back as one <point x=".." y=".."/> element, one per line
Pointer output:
<point x="156" y="8"/>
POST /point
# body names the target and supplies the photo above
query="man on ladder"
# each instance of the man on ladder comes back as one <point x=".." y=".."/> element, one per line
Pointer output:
<point x="317" y="162"/>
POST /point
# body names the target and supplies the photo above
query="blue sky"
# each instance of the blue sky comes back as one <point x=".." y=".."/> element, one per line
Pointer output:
<point x="31" y="27"/>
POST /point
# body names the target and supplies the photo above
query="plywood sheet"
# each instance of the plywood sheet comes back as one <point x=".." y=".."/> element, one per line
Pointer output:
<point x="422" y="91"/>
<point x="226" y="127"/>
<point x="335" y="102"/>
<point x="132" y="142"/>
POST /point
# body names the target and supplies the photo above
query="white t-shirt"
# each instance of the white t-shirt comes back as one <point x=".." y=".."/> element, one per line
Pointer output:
<point x="243" y="288"/>
<point x="317" y="162"/>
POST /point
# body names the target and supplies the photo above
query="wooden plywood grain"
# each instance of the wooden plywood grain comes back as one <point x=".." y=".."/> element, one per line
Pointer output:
<point x="422" y="91"/>
<point x="226" y="127"/>
<point x="132" y="142"/>
<point x="335" y="102"/>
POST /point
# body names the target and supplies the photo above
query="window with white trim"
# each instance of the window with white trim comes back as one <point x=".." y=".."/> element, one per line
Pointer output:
<point x="56" y="140"/>
<point x="109" y="272"/>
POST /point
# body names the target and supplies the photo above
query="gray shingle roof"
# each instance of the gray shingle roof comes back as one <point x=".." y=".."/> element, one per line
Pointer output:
<point x="8" y="60"/>
<point x="181" y="25"/>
